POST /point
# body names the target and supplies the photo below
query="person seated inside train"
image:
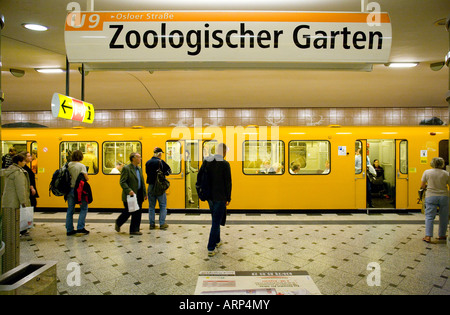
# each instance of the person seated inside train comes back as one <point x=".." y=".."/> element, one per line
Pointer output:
<point x="327" y="167"/>
<point x="276" y="169"/>
<point x="118" y="168"/>
<point x="380" y="185"/>
<point x="295" y="169"/>
<point x="264" y="168"/>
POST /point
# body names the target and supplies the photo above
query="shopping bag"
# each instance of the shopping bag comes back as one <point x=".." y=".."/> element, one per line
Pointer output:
<point x="26" y="218"/>
<point x="132" y="203"/>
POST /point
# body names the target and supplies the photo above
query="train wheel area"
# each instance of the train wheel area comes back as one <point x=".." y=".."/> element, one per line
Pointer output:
<point x="334" y="249"/>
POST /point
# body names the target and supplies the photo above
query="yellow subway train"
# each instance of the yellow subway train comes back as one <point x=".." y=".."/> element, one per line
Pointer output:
<point x="273" y="168"/>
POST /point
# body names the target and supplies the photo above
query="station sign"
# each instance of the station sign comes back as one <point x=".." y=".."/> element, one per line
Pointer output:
<point x="189" y="38"/>
<point x="70" y="108"/>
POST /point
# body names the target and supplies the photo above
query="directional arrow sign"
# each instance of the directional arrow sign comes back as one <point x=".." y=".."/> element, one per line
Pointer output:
<point x="70" y="108"/>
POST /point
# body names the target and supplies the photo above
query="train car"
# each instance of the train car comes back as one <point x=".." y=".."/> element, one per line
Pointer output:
<point x="273" y="168"/>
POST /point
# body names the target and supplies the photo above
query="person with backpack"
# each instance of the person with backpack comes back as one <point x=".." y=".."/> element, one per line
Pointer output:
<point x="75" y="167"/>
<point x="132" y="183"/>
<point x="218" y="182"/>
<point x="152" y="167"/>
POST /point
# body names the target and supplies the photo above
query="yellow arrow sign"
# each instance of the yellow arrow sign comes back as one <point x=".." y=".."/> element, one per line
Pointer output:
<point x="70" y="108"/>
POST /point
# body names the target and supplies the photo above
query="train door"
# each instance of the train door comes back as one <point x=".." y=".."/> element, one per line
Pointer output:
<point x="191" y="167"/>
<point x="360" y="174"/>
<point x="381" y="155"/>
<point x="401" y="165"/>
<point x="174" y="158"/>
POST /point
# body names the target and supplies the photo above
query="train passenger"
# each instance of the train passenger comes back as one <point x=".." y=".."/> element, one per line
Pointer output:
<point x="152" y="165"/>
<point x="189" y="170"/>
<point x="219" y="177"/>
<point x="436" y="181"/>
<point x="370" y="173"/>
<point x="75" y="168"/>
<point x="34" y="161"/>
<point x="380" y="180"/>
<point x="32" y="178"/>
<point x="276" y="168"/>
<point x="132" y="183"/>
<point x="90" y="160"/>
<point x="117" y="169"/>
<point x="295" y="169"/>
<point x="358" y="161"/>
<point x="265" y="168"/>
<point x="7" y="158"/>
<point x="327" y="167"/>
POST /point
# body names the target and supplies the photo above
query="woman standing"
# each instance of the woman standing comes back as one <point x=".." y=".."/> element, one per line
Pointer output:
<point x="436" y="181"/>
<point x="16" y="194"/>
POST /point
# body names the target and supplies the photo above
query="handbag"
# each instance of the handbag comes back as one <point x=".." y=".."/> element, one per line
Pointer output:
<point x="26" y="218"/>
<point x="161" y="183"/>
<point x="132" y="203"/>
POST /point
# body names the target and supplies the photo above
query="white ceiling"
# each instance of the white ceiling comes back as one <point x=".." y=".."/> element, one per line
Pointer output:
<point x="415" y="38"/>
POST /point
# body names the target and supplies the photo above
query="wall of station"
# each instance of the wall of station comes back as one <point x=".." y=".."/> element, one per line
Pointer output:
<point x="240" y="117"/>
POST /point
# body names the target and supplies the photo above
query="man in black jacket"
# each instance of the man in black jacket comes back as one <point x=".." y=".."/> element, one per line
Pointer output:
<point x="151" y="167"/>
<point x="219" y="178"/>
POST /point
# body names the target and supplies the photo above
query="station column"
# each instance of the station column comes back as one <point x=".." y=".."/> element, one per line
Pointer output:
<point x="2" y="244"/>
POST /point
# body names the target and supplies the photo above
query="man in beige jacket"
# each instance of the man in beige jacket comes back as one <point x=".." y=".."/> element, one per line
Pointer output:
<point x="16" y="194"/>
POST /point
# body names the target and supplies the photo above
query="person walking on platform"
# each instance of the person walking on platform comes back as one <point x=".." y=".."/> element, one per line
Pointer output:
<point x="151" y="167"/>
<point x="132" y="183"/>
<point x="76" y="168"/>
<point x="436" y="181"/>
<point x="219" y="179"/>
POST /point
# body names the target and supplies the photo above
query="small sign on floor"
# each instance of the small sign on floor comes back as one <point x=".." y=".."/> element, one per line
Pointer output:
<point x="255" y="283"/>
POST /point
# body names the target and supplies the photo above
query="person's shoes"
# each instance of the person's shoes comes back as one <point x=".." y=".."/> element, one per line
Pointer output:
<point x="82" y="231"/>
<point x="152" y="227"/>
<point x="219" y="244"/>
<point x="117" y="228"/>
<point x="212" y="253"/>
<point x="164" y="226"/>
<point x="136" y="233"/>
<point x="73" y="232"/>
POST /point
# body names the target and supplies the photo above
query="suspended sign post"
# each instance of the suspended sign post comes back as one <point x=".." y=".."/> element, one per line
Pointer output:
<point x="70" y="108"/>
<point x="189" y="39"/>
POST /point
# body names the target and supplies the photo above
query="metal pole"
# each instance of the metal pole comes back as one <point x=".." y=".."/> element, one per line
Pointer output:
<point x="447" y="96"/>
<point x="82" y="81"/>
<point x="2" y="244"/>
<point x="67" y="77"/>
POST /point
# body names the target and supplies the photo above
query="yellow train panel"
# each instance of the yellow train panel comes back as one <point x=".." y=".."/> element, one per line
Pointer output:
<point x="328" y="174"/>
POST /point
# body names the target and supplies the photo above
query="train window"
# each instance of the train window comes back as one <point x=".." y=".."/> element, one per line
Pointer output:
<point x="309" y="157"/>
<point x="173" y="156"/>
<point x="263" y="157"/>
<point x="116" y="154"/>
<point x="403" y="157"/>
<point x="443" y="150"/>
<point x="90" y="153"/>
<point x="358" y="157"/>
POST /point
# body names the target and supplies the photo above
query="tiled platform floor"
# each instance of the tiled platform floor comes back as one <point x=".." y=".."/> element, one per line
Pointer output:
<point x="334" y="249"/>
